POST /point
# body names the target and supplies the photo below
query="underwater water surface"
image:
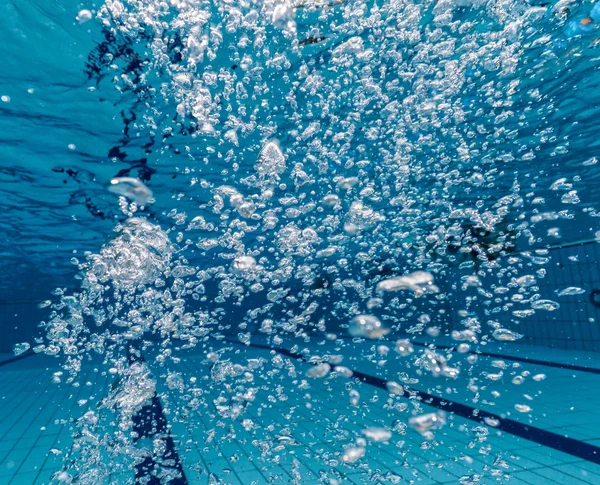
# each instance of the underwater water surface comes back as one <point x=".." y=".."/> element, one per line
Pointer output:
<point x="299" y="242"/>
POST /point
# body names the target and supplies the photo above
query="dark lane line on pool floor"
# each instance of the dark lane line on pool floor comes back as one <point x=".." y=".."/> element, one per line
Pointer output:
<point x="24" y="355"/>
<point x="151" y="423"/>
<point x="564" y="444"/>
<point x="526" y="360"/>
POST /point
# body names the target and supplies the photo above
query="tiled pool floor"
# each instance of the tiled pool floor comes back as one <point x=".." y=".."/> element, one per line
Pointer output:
<point x="34" y="419"/>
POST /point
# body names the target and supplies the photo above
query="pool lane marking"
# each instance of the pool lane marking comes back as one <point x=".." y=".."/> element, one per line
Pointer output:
<point x="527" y="360"/>
<point x="564" y="444"/>
<point x="24" y="355"/>
<point x="150" y="421"/>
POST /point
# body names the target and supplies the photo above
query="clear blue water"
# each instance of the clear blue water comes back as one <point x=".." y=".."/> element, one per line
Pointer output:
<point x="304" y="242"/>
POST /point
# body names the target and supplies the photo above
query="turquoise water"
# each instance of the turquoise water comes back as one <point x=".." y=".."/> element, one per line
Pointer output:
<point x="299" y="242"/>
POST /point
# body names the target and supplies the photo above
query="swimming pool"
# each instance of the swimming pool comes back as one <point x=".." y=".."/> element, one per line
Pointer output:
<point x="302" y="242"/>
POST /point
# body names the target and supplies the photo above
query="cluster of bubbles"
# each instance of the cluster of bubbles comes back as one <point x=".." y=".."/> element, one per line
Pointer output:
<point x="370" y="190"/>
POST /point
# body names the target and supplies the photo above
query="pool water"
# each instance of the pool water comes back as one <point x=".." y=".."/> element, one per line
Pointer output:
<point x="299" y="241"/>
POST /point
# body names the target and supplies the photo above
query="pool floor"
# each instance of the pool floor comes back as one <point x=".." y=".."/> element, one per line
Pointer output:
<point x="319" y="419"/>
